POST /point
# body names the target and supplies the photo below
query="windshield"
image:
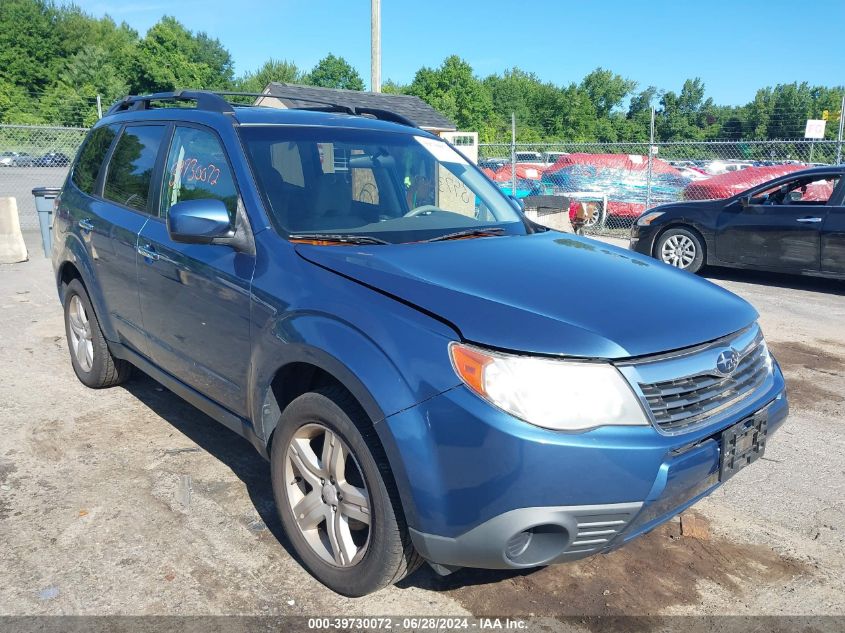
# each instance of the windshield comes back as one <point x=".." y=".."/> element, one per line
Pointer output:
<point x="391" y="186"/>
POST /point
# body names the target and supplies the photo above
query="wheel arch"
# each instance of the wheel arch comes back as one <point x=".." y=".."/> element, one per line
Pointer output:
<point x="302" y="373"/>
<point x="688" y="226"/>
<point x="75" y="264"/>
<point x="306" y="368"/>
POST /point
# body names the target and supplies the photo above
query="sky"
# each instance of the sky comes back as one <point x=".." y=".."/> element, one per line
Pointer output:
<point x="735" y="46"/>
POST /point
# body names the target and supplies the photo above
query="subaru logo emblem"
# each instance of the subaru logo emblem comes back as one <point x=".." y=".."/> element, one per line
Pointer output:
<point x="726" y="362"/>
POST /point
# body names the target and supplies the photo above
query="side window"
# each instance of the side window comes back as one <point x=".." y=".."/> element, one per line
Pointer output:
<point x="197" y="169"/>
<point x="799" y="191"/>
<point x="131" y="166"/>
<point x="91" y="158"/>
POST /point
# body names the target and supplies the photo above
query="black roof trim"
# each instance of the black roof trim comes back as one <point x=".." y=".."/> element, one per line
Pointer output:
<point x="205" y="101"/>
<point x="215" y="102"/>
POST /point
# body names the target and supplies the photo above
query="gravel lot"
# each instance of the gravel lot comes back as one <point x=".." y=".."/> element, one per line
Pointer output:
<point x="130" y="501"/>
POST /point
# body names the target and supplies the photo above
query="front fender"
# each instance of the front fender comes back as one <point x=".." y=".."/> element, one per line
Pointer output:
<point x="383" y="384"/>
<point x="388" y="355"/>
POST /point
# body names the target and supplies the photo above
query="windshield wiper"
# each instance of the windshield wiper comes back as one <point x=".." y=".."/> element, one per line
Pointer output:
<point x="467" y="233"/>
<point x="339" y="238"/>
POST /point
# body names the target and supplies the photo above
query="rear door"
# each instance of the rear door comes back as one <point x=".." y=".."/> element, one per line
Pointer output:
<point x="195" y="298"/>
<point x="116" y="219"/>
<point x="780" y="228"/>
<point x="833" y="234"/>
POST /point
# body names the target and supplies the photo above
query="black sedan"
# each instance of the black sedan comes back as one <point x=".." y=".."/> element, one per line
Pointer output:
<point x="794" y="224"/>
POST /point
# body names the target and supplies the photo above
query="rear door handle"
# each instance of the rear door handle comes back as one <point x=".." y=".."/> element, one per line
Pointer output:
<point x="148" y="252"/>
<point x="809" y="220"/>
<point x="86" y="225"/>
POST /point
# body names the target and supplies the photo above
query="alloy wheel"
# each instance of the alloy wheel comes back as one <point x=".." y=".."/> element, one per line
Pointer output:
<point x="80" y="334"/>
<point x="327" y="495"/>
<point x="678" y="251"/>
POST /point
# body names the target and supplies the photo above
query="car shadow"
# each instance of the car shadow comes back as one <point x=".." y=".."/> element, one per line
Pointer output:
<point x="248" y="466"/>
<point x="225" y="445"/>
<point x="426" y="578"/>
<point x="777" y="280"/>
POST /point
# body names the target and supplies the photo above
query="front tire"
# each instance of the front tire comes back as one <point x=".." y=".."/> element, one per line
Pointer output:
<point x="92" y="361"/>
<point x="336" y="497"/>
<point x="681" y="248"/>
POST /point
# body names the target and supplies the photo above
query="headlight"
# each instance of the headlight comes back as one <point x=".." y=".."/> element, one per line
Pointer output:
<point x="554" y="394"/>
<point x="648" y="218"/>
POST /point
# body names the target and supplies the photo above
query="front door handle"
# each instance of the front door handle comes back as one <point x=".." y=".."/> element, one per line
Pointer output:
<point x="809" y="220"/>
<point x="86" y="225"/>
<point x="148" y="252"/>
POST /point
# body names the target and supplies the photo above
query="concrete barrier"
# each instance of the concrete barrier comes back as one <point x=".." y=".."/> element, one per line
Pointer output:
<point x="12" y="247"/>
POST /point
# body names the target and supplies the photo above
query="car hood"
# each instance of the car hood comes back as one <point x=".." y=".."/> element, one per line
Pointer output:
<point x="690" y="205"/>
<point x="547" y="293"/>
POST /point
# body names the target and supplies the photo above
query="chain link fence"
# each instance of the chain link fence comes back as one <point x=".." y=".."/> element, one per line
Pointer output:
<point x="606" y="186"/>
<point x="35" y="156"/>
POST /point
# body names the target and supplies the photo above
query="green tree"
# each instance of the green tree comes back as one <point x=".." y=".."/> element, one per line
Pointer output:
<point x="72" y="99"/>
<point x="688" y="115"/>
<point x="606" y="90"/>
<point x="29" y="47"/>
<point x="335" y="72"/>
<point x="171" y="57"/>
<point x="457" y="93"/>
<point x="281" y="71"/>
<point x="391" y="87"/>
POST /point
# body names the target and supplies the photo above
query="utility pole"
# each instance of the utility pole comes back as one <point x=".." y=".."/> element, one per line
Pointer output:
<point x="375" y="44"/>
<point x="651" y="148"/>
<point x="841" y="122"/>
<point x="100" y="110"/>
<point x="513" y="154"/>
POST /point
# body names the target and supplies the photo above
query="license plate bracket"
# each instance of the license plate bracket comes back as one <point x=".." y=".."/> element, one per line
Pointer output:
<point x="742" y="444"/>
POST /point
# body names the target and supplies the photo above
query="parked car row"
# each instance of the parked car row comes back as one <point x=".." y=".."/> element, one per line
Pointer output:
<point x="24" y="159"/>
<point x="536" y="159"/>
<point x="620" y="182"/>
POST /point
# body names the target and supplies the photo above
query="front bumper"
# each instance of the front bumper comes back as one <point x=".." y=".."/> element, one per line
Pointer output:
<point x="482" y="489"/>
<point x="642" y="239"/>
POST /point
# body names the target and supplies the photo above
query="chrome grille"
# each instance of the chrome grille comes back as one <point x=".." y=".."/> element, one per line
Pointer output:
<point x="699" y="394"/>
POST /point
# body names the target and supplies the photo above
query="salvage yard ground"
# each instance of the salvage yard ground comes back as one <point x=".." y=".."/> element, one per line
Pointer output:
<point x="131" y="501"/>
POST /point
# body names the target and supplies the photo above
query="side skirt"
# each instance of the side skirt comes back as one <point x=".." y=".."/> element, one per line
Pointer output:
<point x="239" y="425"/>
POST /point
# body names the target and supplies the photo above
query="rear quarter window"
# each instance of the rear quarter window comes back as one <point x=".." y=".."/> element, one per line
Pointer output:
<point x="87" y="167"/>
<point x="131" y="165"/>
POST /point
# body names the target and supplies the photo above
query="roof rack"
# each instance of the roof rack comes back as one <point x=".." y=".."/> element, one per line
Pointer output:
<point x="215" y="102"/>
<point x="205" y="100"/>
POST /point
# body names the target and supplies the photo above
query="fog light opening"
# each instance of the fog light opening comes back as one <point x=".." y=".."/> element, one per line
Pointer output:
<point x="537" y="545"/>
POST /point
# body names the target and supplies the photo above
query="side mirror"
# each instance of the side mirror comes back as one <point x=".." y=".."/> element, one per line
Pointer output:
<point x="745" y="201"/>
<point x="199" y="221"/>
<point x="519" y="204"/>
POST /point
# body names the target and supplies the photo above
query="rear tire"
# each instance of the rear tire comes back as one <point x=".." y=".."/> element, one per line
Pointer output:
<point x="376" y="554"/>
<point x="681" y="248"/>
<point x="92" y="361"/>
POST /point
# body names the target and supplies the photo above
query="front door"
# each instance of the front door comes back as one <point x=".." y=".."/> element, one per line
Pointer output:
<point x="779" y="228"/>
<point x="195" y="298"/>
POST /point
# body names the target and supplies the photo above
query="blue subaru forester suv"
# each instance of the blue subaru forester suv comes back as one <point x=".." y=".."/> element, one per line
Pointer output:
<point x="432" y="376"/>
